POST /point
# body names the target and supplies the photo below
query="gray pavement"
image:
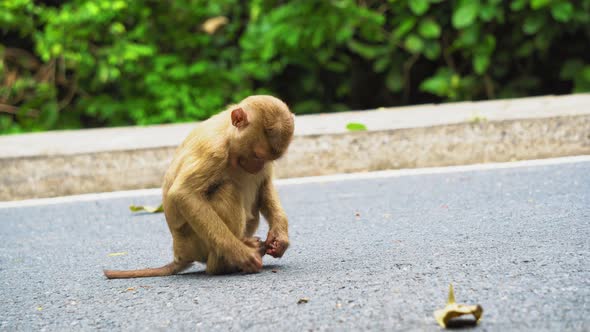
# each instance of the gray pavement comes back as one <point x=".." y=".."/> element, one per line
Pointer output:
<point x="372" y="254"/>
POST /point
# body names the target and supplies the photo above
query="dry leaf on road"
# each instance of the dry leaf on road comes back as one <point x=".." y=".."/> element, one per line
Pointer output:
<point x="117" y="254"/>
<point x="146" y="208"/>
<point x="454" y="310"/>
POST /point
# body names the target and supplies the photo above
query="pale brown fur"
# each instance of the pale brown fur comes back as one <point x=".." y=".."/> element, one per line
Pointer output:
<point x="212" y="203"/>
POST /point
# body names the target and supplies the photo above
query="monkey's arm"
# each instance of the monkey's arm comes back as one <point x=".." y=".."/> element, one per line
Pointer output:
<point x="277" y="240"/>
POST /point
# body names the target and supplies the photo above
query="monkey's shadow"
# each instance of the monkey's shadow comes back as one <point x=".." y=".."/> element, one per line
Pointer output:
<point x="201" y="274"/>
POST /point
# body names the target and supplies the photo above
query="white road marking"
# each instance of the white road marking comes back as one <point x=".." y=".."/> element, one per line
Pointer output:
<point x="313" y="179"/>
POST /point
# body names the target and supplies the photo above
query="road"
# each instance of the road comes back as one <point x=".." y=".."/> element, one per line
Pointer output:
<point x="370" y="253"/>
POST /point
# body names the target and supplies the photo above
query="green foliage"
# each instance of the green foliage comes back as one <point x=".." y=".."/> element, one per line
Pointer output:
<point x="88" y="63"/>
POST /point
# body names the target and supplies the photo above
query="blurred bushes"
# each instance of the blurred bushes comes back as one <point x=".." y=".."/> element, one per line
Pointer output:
<point x="88" y="63"/>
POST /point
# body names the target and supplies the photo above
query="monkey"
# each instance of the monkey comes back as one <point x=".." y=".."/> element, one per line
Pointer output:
<point x="217" y="186"/>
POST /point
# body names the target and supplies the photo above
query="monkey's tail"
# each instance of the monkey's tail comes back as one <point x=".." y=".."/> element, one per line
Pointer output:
<point x="166" y="270"/>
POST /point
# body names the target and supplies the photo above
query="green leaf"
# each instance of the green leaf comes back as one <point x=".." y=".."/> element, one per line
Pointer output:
<point x="414" y="44"/>
<point x="441" y="84"/>
<point x="381" y="64"/>
<point x="404" y="27"/>
<point x="487" y="45"/>
<point x="533" y="23"/>
<point x="394" y="81"/>
<point x="525" y="49"/>
<point x="481" y="62"/>
<point x="488" y="12"/>
<point x="538" y="4"/>
<point x="117" y="28"/>
<point x="468" y="37"/>
<point x="146" y="208"/>
<point x="432" y="50"/>
<point x="582" y="80"/>
<point x="570" y="69"/>
<point x="517" y="5"/>
<point x="436" y="85"/>
<point x="562" y="11"/>
<point x="367" y="51"/>
<point x="419" y="7"/>
<point x="465" y="13"/>
<point x="429" y="29"/>
<point x="354" y="126"/>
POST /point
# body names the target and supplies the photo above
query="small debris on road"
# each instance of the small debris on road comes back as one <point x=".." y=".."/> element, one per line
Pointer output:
<point x="117" y="254"/>
<point x="130" y="289"/>
<point x="274" y="270"/>
<point x="303" y="300"/>
<point x="453" y="310"/>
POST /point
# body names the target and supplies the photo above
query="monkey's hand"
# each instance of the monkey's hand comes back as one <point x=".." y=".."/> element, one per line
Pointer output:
<point x="256" y="243"/>
<point x="248" y="259"/>
<point x="276" y="243"/>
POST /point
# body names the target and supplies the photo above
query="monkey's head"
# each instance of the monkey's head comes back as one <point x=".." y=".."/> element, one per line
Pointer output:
<point x="264" y="129"/>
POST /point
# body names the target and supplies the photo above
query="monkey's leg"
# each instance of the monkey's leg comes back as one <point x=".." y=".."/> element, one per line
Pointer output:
<point x="218" y="265"/>
<point x="166" y="270"/>
<point x="205" y="221"/>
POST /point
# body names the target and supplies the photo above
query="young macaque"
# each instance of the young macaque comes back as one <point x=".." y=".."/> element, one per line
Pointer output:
<point x="219" y="182"/>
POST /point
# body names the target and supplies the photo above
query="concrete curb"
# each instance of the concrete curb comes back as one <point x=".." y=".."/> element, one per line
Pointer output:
<point x="98" y="160"/>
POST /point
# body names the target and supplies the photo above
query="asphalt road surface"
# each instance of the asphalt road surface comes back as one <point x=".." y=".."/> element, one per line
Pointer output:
<point x="368" y="254"/>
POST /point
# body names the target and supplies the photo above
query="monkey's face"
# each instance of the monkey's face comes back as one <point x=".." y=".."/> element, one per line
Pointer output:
<point x="263" y="148"/>
<point x="259" y="154"/>
<point x="265" y="126"/>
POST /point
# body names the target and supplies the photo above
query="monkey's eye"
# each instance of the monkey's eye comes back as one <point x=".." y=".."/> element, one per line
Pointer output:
<point x="270" y="132"/>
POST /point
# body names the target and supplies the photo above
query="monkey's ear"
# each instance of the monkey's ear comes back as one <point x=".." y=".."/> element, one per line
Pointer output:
<point x="239" y="118"/>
